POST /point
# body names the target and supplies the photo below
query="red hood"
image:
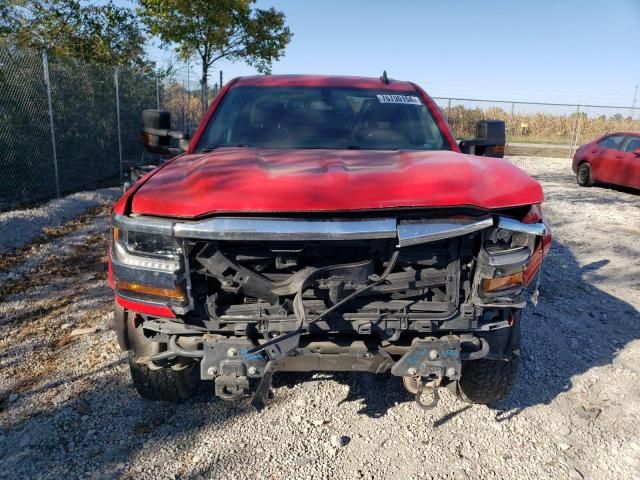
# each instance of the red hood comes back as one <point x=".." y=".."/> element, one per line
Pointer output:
<point x="246" y="180"/>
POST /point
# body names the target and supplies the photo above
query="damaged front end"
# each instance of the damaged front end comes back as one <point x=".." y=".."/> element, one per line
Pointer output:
<point x="414" y="294"/>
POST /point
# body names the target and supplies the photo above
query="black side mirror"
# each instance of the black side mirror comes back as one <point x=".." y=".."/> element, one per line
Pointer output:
<point x="156" y="133"/>
<point x="489" y="142"/>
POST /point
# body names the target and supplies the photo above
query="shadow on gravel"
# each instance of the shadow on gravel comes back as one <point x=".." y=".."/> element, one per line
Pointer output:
<point x="376" y="393"/>
<point x="105" y="429"/>
<point x="575" y="327"/>
<point x="618" y="188"/>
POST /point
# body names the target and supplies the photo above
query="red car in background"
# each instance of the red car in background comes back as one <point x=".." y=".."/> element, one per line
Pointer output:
<point x="613" y="158"/>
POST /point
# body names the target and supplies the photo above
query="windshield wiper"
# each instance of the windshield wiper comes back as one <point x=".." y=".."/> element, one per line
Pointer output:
<point x="211" y="148"/>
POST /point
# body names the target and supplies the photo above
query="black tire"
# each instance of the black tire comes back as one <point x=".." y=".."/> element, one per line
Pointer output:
<point x="487" y="381"/>
<point x="164" y="383"/>
<point x="583" y="176"/>
<point x="169" y="383"/>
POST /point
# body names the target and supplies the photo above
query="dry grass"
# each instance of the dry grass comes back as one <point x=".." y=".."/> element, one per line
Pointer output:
<point x="540" y="127"/>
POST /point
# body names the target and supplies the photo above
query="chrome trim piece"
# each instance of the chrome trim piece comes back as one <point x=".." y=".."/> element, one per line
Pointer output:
<point x="258" y="229"/>
<point x="538" y="229"/>
<point x="144" y="224"/>
<point x="518" y="257"/>
<point x="286" y="229"/>
<point x="433" y="230"/>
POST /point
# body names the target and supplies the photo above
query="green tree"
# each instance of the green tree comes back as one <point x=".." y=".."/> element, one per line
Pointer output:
<point x="212" y="30"/>
<point x="98" y="33"/>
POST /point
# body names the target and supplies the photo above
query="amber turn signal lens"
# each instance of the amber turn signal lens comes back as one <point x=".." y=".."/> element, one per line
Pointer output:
<point x="116" y="233"/>
<point x="502" y="283"/>
<point x="173" y="293"/>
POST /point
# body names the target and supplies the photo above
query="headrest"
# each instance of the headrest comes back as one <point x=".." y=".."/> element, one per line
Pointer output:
<point x="267" y="112"/>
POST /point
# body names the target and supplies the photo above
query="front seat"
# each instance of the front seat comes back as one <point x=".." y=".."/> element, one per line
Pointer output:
<point x="383" y="125"/>
<point x="266" y="121"/>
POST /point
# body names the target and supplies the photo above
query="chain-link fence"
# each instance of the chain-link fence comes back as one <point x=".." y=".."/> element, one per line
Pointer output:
<point x="181" y="94"/>
<point x="544" y="129"/>
<point x="65" y="125"/>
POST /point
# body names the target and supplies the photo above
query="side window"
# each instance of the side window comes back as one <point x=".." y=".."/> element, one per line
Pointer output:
<point x="613" y="142"/>
<point x="632" y="144"/>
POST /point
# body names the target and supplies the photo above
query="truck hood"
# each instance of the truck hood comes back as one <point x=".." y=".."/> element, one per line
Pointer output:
<point x="249" y="180"/>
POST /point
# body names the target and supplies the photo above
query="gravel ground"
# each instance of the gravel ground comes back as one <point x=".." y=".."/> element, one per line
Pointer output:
<point x="68" y="409"/>
<point x="20" y="227"/>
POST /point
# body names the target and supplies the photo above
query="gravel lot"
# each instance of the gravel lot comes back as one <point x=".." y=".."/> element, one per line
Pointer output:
<point x="68" y="409"/>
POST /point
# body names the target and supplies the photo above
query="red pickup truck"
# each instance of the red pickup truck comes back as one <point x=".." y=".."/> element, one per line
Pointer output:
<point x="324" y="223"/>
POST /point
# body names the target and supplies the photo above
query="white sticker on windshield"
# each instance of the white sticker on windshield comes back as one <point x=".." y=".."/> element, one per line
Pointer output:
<point x="403" y="99"/>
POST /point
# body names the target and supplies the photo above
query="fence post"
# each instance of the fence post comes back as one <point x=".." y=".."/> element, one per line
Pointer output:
<point x="184" y="110"/>
<point x="513" y="105"/>
<point x="573" y="131"/>
<point x="47" y="81"/>
<point x="577" y="131"/>
<point x="118" y="119"/>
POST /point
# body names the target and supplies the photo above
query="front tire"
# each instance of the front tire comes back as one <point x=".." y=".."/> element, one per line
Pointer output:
<point x="164" y="383"/>
<point x="487" y="381"/>
<point x="583" y="176"/>
<point x="175" y="382"/>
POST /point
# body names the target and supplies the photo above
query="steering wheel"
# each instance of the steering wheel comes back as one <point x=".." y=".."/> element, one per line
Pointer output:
<point x="384" y="138"/>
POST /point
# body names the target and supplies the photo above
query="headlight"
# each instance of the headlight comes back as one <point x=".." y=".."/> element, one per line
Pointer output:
<point x="153" y="244"/>
<point x="146" y="250"/>
<point x="147" y="266"/>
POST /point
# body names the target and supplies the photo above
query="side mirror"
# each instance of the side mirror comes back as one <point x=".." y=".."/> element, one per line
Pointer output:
<point x="489" y="142"/>
<point x="156" y="133"/>
<point x="636" y="152"/>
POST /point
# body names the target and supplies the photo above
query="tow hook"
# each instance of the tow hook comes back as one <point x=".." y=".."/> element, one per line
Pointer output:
<point x="231" y="387"/>
<point x="426" y="365"/>
<point x="424" y="390"/>
<point x="413" y="384"/>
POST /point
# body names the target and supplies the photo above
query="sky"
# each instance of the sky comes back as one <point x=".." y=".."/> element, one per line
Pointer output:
<point x="571" y="51"/>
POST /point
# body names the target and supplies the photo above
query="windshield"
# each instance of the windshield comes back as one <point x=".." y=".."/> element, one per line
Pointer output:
<point x="322" y="117"/>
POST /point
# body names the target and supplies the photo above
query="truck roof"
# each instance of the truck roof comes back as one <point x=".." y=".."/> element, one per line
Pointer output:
<point x="323" y="81"/>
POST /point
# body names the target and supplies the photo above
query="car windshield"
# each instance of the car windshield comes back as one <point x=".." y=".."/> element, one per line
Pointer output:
<point x="322" y="117"/>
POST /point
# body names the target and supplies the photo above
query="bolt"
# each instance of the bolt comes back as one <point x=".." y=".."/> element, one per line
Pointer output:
<point x="451" y="372"/>
<point x="212" y="371"/>
<point x="433" y="354"/>
<point x="412" y="371"/>
<point x="253" y="370"/>
<point x="367" y="355"/>
<point x="232" y="352"/>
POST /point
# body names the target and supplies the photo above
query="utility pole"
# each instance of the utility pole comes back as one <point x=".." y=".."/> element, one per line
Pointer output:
<point x="634" y="102"/>
<point x="633" y="105"/>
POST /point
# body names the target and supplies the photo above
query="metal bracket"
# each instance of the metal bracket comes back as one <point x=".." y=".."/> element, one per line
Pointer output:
<point x="431" y="357"/>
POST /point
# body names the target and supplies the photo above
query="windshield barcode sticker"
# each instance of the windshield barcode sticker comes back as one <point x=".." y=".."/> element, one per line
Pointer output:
<point x="404" y="99"/>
